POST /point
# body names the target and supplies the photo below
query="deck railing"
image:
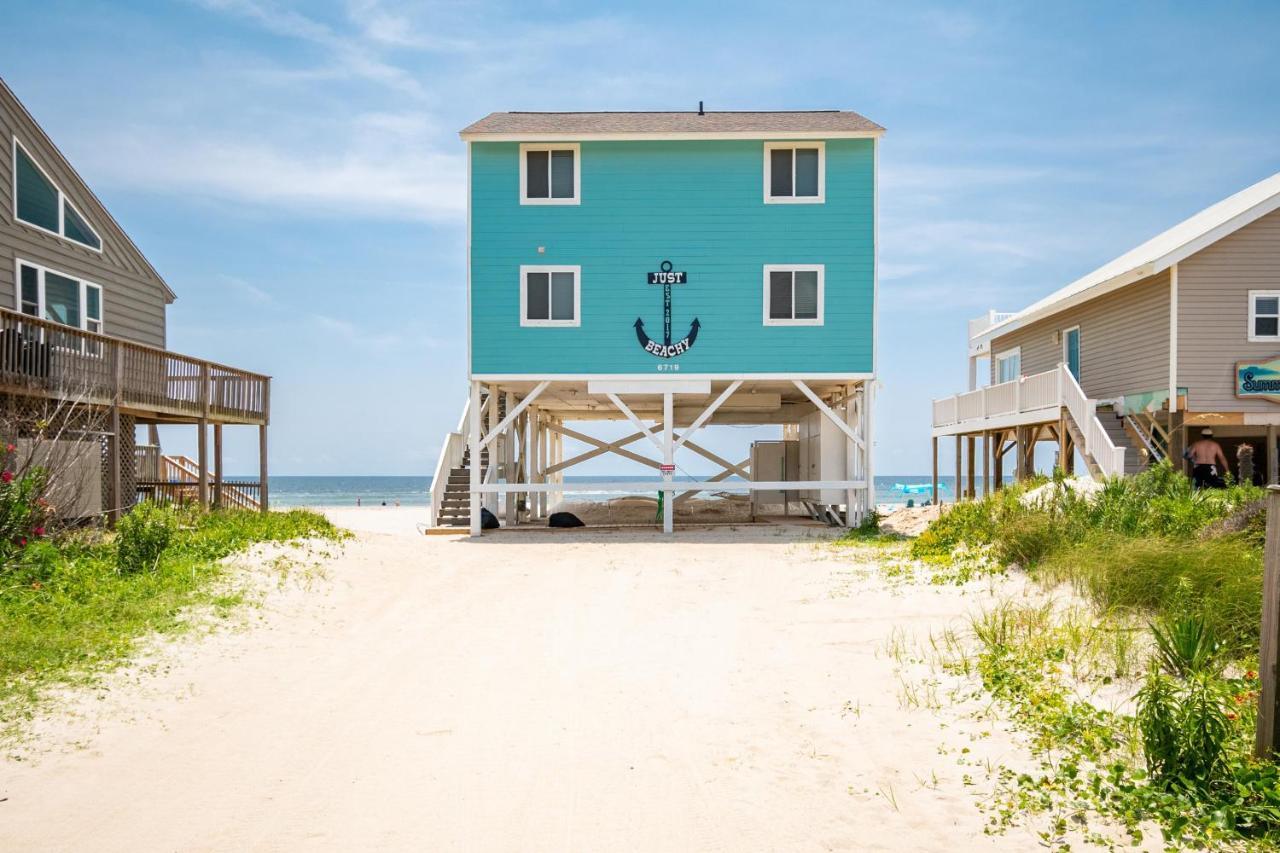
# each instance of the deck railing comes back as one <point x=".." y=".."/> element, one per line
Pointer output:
<point x="1035" y="396"/>
<point x="52" y="360"/>
<point x="452" y="453"/>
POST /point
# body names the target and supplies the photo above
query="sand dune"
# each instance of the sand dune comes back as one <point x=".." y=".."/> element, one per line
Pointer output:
<point x="724" y="690"/>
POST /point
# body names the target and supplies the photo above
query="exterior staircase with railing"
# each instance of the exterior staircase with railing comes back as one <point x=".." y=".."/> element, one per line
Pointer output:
<point x="451" y="482"/>
<point x="177" y="478"/>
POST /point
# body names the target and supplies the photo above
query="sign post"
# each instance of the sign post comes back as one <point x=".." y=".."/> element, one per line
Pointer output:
<point x="1267" y="743"/>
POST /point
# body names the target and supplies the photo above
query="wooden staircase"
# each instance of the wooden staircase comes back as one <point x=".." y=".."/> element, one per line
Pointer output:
<point x="455" y="508"/>
<point x="186" y="472"/>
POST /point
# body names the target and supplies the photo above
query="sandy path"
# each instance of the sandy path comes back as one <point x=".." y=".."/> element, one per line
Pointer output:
<point x="722" y="690"/>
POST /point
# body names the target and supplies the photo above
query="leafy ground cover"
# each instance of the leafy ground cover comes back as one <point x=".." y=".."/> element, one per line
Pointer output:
<point x="1138" y="699"/>
<point x="76" y="602"/>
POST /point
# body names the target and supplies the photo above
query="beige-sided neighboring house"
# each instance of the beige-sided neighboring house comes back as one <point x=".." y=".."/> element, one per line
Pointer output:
<point x="83" y="356"/>
<point x="1129" y="363"/>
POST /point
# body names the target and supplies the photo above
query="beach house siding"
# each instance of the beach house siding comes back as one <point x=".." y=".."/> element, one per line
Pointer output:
<point x="699" y="204"/>
<point x="1213" y="315"/>
<point x="1124" y="340"/>
<point x="134" y="297"/>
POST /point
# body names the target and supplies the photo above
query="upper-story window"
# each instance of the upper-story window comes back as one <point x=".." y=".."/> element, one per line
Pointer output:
<point x="1264" y="315"/>
<point x="60" y="298"/>
<point x="550" y="296"/>
<point x="549" y="174"/>
<point x="38" y="202"/>
<point x="795" y="172"/>
<point x="1008" y="365"/>
<point x="793" y="294"/>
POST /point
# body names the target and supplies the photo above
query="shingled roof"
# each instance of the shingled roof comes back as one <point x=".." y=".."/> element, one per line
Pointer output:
<point x="836" y="122"/>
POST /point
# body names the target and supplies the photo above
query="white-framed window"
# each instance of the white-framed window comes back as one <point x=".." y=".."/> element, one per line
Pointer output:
<point x="550" y="295"/>
<point x="550" y="174"/>
<point x="795" y="172"/>
<point x="40" y="203"/>
<point x="59" y="297"/>
<point x="1264" y="315"/>
<point x="793" y="294"/>
<point x="1008" y="365"/>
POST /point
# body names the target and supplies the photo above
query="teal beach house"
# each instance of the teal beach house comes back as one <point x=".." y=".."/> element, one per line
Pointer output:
<point x="678" y="270"/>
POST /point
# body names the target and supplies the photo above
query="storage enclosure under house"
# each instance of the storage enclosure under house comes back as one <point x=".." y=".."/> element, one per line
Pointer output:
<point x="672" y="270"/>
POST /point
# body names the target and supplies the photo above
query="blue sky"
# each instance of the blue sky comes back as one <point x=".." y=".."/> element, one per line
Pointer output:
<point x="294" y="169"/>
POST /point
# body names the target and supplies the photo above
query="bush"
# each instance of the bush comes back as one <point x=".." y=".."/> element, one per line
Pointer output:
<point x="23" y="511"/>
<point x="1184" y="729"/>
<point x="142" y="537"/>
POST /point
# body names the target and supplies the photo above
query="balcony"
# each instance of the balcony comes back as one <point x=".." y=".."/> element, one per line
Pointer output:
<point x="46" y="359"/>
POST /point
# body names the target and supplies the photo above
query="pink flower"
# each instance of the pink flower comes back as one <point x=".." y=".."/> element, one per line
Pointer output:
<point x="7" y="476"/>
<point x="39" y="531"/>
<point x="22" y="542"/>
<point x="9" y="448"/>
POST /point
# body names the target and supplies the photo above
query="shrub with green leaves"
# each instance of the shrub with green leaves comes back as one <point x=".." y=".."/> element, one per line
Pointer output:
<point x="143" y="535"/>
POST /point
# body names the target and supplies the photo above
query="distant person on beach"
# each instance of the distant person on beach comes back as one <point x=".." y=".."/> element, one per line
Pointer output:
<point x="397" y="503"/>
<point x="1208" y="462"/>
<point x="357" y="501"/>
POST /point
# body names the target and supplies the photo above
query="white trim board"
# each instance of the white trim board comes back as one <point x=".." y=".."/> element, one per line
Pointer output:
<point x="650" y="386"/>
<point x="643" y="486"/>
<point x="588" y="377"/>
<point x="802" y="135"/>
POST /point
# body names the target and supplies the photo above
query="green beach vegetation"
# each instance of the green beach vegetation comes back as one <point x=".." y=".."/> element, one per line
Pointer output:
<point x="1163" y="625"/>
<point x="77" y="600"/>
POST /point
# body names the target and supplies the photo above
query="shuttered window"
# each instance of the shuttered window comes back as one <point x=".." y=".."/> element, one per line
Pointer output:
<point x="793" y="295"/>
<point x="39" y="202"/>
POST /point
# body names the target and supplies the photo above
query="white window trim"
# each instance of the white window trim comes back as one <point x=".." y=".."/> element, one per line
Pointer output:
<point x="551" y="146"/>
<point x="62" y="201"/>
<point x="41" y="270"/>
<point x="820" y="198"/>
<point x="820" y="269"/>
<point x="1254" y="295"/>
<point x="577" y="296"/>
<point x="1005" y="355"/>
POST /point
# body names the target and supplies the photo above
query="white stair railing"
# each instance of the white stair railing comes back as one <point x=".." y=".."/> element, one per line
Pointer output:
<point x="1097" y="442"/>
<point x="451" y="455"/>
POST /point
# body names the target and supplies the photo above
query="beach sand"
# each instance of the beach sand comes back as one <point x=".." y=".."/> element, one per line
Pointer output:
<point x="730" y="689"/>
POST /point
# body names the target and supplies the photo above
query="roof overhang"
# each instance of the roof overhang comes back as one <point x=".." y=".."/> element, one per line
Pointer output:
<point x="1106" y="280"/>
<point x="664" y="137"/>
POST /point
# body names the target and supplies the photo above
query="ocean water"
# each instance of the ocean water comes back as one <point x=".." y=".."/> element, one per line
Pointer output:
<point x="416" y="491"/>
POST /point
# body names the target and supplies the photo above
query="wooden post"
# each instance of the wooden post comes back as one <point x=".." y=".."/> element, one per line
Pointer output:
<point x="217" y="466"/>
<point x="114" y="444"/>
<point x="1019" y="448"/>
<point x="986" y="464"/>
<point x="263" y="492"/>
<point x="959" y="471"/>
<point x="203" y="445"/>
<point x="1267" y="742"/>
<point x="997" y="461"/>
<point x="971" y="490"/>
<point x="937" y="499"/>
<point x="473" y="443"/>
<point x="1177" y="441"/>
<point x="1273" y="461"/>
<point x="202" y="459"/>
<point x="668" y="458"/>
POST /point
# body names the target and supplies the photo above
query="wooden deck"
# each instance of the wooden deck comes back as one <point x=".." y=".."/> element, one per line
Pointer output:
<point x="46" y="359"/>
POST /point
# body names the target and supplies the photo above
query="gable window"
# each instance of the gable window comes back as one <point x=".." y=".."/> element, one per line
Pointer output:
<point x="549" y="174"/>
<point x="37" y="201"/>
<point x="793" y="294"/>
<point x="1264" y="315"/>
<point x="1008" y="365"/>
<point x="59" y="298"/>
<point x="794" y="172"/>
<point x="550" y="296"/>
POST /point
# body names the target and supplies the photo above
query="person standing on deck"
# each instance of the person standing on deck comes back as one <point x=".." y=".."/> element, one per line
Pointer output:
<point x="1208" y="462"/>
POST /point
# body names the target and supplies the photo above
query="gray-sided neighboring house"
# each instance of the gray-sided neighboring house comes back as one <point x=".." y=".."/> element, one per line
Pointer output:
<point x="83" y="358"/>
<point x="1125" y="365"/>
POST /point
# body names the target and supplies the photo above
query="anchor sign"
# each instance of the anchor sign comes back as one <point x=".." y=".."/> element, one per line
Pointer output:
<point x="667" y="349"/>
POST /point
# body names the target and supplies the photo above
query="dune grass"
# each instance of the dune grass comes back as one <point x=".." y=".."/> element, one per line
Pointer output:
<point x="69" y="607"/>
